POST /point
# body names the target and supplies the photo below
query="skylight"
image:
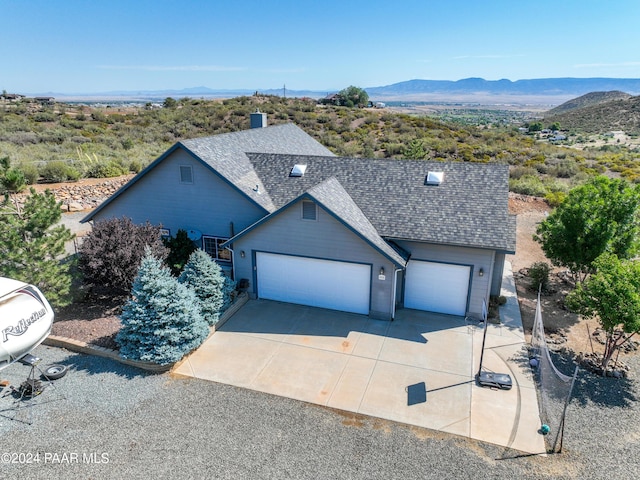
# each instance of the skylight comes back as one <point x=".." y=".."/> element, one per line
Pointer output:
<point x="434" y="178"/>
<point x="298" y="170"/>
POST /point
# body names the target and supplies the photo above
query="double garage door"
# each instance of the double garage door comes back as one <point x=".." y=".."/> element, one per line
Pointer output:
<point x="437" y="287"/>
<point x="314" y="282"/>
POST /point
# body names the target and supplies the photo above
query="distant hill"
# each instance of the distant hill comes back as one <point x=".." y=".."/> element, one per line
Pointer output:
<point x="542" y="91"/>
<point x="588" y="100"/>
<point x="540" y="86"/>
<point x="618" y="113"/>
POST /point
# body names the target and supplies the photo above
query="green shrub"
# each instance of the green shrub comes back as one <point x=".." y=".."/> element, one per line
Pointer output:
<point x="539" y="276"/>
<point x="520" y="171"/>
<point x="13" y="180"/>
<point x="31" y="174"/>
<point x="135" y="166"/>
<point x="162" y="322"/>
<point x="106" y="170"/>
<point x="528" y="185"/>
<point x="555" y="198"/>
<point x="59" y="171"/>
<point x="180" y="249"/>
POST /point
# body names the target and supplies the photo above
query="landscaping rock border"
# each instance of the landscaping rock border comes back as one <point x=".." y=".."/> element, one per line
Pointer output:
<point x="89" y="349"/>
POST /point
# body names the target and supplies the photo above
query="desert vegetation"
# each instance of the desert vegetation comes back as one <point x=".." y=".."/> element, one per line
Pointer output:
<point x="64" y="142"/>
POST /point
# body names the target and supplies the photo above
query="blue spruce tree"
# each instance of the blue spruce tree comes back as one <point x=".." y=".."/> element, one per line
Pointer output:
<point x="162" y="321"/>
<point x="206" y="279"/>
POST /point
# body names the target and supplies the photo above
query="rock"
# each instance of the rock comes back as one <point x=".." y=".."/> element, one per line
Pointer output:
<point x="75" y="207"/>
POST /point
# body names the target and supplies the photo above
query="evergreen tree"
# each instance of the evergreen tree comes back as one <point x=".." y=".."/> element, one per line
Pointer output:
<point x="228" y="292"/>
<point x="31" y="245"/>
<point x="180" y="249"/>
<point x="162" y="321"/>
<point x="205" y="278"/>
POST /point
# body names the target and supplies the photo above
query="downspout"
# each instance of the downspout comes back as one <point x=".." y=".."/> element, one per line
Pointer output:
<point x="233" y="262"/>
<point x="393" y="295"/>
<point x="493" y="264"/>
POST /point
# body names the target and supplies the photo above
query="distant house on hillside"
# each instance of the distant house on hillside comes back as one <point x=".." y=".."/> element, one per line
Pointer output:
<point x="45" y="100"/>
<point x="276" y="208"/>
<point x="331" y="99"/>
<point x="11" y="97"/>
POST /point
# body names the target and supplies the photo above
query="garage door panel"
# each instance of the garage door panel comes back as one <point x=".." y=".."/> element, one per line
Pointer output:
<point x="314" y="282"/>
<point x="437" y="287"/>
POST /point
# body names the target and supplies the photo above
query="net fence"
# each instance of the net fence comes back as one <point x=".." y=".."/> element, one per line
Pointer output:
<point x="554" y="387"/>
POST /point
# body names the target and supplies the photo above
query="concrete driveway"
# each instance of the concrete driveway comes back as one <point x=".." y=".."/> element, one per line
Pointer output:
<point x="418" y="369"/>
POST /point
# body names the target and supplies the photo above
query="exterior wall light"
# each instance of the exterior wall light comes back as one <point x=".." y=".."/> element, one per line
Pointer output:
<point x="381" y="270"/>
<point x="481" y="272"/>
<point x="242" y="253"/>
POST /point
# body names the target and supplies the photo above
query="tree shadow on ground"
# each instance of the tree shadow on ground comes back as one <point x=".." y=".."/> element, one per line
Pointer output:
<point x="95" y="365"/>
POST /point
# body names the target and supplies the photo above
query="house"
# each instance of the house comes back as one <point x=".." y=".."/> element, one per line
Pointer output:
<point x="11" y="97"/>
<point x="301" y="225"/>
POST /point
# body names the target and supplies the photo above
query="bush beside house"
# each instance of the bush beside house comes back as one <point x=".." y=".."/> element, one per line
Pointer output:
<point x="206" y="279"/>
<point x="162" y="322"/>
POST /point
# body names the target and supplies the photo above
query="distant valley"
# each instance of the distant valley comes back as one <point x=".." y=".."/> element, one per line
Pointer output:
<point x="547" y="92"/>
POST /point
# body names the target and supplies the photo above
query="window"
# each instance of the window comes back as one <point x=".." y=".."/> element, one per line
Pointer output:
<point x="186" y="174"/>
<point x="212" y="245"/>
<point x="309" y="211"/>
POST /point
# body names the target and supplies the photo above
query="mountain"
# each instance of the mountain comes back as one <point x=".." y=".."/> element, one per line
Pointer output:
<point x="540" y="86"/>
<point x="590" y="99"/>
<point x="616" y="113"/>
<point x="543" y="91"/>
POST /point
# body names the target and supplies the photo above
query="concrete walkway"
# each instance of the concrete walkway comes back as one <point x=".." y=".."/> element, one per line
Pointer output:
<point x="418" y="369"/>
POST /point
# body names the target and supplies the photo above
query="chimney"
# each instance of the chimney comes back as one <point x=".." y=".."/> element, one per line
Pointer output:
<point x="258" y="119"/>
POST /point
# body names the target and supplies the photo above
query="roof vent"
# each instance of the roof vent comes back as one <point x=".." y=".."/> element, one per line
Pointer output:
<point x="298" y="170"/>
<point x="434" y="178"/>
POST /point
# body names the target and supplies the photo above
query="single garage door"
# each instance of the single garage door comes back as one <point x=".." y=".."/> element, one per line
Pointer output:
<point x="317" y="283"/>
<point x="437" y="287"/>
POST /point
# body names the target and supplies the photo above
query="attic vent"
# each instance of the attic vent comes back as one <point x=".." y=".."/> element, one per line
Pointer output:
<point x="298" y="170"/>
<point x="434" y="178"/>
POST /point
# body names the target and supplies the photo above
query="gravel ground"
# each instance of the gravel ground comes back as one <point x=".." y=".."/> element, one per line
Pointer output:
<point x="156" y="426"/>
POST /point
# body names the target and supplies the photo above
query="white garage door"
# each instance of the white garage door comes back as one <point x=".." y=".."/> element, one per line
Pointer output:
<point x="437" y="287"/>
<point x="318" y="283"/>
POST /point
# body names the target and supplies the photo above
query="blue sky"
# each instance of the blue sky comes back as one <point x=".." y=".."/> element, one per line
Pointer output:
<point x="86" y="46"/>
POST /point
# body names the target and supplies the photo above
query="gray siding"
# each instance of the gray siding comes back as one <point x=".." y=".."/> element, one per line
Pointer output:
<point x="477" y="258"/>
<point x="209" y="204"/>
<point x="326" y="238"/>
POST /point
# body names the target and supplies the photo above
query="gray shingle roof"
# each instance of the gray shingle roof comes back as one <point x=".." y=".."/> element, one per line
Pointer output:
<point x="331" y="195"/>
<point x="469" y="208"/>
<point x="226" y="153"/>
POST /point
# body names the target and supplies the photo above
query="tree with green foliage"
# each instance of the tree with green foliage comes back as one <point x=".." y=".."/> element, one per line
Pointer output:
<point x="32" y="244"/>
<point x="554" y="127"/>
<point x="206" y="279"/>
<point x="170" y="102"/>
<point x="535" y="126"/>
<point x="612" y="296"/>
<point x="11" y="179"/>
<point x="110" y="254"/>
<point x="597" y="217"/>
<point x="180" y="249"/>
<point x="353" y="97"/>
<point x="162" y="321"/>
<point x="415" y="150"/>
